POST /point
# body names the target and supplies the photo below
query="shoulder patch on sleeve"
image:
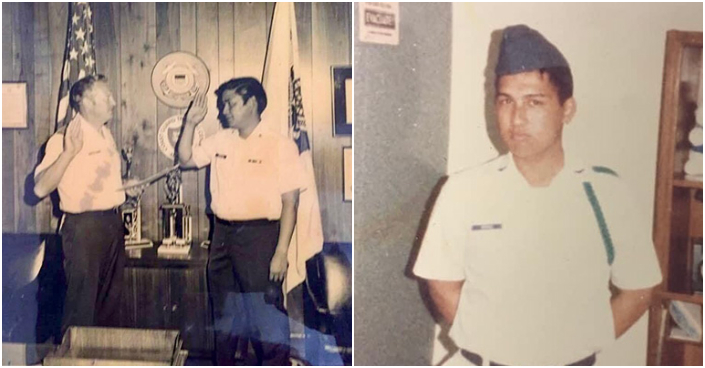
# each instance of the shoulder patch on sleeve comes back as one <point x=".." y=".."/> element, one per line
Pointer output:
<point x="605" y="170"/>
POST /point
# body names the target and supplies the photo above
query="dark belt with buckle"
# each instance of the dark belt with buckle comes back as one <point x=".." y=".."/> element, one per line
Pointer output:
<point x="258" y="222"/>
<point x="477" y="359"/>
<point x="109" y="211"/>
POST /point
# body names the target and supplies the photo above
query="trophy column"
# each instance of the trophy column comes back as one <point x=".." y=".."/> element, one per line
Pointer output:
<point x="132" y="212"/>
<point x="176" y="219"/>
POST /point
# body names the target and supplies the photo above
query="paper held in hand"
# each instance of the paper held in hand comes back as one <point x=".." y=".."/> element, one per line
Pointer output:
<point x="150" y="179"/>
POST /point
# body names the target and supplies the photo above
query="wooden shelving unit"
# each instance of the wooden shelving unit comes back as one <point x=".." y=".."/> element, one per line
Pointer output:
<point x="678" y="218"/>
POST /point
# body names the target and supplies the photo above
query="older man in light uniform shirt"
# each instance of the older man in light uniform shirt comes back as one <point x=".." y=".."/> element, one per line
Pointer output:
<point x="82" y="161"/>
<point x="520" y="252"/>
<point x="255" y="180"/>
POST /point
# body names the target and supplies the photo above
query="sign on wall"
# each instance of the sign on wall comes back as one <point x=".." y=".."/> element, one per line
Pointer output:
<point x="379" y="23"/>
<point x="14" y="105"/>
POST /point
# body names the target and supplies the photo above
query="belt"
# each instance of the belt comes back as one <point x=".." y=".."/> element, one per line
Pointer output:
<point x="245" y="222"/>
<point x="477" y="359"/>
<point x="100" y="212"/>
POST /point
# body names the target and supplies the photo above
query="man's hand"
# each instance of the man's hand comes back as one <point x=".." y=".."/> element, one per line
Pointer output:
<point x="628" y="306"/>
<point x="48" y="180"/>
<point x="137" y="191"/>
<point x="73" y="139"/>
<point x="278" y="266"/>
<point x="197" y="109"/>
<point x="446" y="297"/>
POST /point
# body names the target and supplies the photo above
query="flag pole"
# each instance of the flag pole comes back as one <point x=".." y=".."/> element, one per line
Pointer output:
<point x="269" y="38"/>
<point x="69" y="27"/>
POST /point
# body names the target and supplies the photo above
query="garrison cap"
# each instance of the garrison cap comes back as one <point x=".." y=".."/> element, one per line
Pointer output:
<point x="524" y="49"/>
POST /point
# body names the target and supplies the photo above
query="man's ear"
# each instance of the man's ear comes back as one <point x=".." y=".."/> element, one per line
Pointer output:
<point x="569" y="109"/>
<point x="252" y="104"/>
<point x="88" y="99"/>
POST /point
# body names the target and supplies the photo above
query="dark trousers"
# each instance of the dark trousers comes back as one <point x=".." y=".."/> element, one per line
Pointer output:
<point x="247" y="306"/>
<point x="94" y="259"/>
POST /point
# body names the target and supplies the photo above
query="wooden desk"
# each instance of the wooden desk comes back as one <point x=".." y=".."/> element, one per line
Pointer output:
<point x="170" y="293"/>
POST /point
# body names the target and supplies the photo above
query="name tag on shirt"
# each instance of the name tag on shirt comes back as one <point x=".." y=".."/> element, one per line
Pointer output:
<point x="486" y="227"/>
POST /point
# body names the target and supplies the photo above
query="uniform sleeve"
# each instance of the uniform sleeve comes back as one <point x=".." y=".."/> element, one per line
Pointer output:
<point x="54" y="148"/>
<point x="635" y="264"/>
<point x="291" y="173"/>
<point x="203" y="153"/>
<point x="439" y="258"/>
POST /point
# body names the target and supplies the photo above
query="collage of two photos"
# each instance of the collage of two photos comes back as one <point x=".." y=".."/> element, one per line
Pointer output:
<point x="178" y="184"/>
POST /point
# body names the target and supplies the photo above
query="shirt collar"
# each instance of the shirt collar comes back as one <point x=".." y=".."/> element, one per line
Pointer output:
<point x="571" y="165"/>
<point x="88" y="127"/>
<point x="257" y="132"/>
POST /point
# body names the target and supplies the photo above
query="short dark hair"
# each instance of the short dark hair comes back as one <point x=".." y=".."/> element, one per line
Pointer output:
<point x="560" y="77"/>
<point x="246" y="87"/>
<point x="80" y="87"/>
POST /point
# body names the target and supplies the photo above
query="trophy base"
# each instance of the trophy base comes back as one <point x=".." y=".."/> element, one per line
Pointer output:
<point x="173" y="250"/>
<point x="138" y="244"/>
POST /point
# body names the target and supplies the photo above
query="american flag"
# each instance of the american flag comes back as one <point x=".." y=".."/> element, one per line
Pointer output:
<point x="79" y="57"/>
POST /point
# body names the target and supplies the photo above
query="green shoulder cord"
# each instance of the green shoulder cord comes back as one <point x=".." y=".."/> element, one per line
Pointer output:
<point x="599" y="216"/>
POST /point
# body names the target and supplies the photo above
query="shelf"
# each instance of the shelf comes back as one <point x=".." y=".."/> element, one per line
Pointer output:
<point x="684" y="341"/>
<point x="682" y="183"/>
<point x="678" y="201"/>
<point x="690" y="298"/>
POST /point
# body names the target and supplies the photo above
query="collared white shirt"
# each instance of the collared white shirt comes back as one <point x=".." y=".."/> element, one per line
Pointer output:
<point x="248" y="176"/>
<point x="92" y="180"/>
<point x="535" y="262"/>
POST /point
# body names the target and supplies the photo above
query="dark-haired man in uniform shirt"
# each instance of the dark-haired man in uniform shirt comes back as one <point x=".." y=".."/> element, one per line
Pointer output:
<point x="255" y="181"/>
<point x="520" y="253"/>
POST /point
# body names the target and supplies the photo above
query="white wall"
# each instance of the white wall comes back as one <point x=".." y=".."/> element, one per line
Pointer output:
<point x="616" y="53"/>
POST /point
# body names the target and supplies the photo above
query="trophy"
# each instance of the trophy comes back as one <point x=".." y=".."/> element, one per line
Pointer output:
<point x="132" y="212"/>
<point x="176" y="219"/>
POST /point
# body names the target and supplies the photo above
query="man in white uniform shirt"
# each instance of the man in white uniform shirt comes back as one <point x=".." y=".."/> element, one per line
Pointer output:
<point x="520" y="253"/>
<point x="255" y="180"/>
<point x="82" y="161"/>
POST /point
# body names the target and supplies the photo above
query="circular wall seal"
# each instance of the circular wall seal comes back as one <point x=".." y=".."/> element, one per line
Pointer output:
<point x="169" y="133"/>
<point x="178" y="76"/>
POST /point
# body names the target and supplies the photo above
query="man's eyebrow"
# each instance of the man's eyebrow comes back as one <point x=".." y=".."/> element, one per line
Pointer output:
<point x="535" y="95"/>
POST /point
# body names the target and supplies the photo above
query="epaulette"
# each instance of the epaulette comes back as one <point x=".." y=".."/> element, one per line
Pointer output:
<point x="605" y="170"/>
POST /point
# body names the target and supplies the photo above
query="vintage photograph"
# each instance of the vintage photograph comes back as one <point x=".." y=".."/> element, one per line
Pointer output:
<point x="174" y="183"/>
<point x="528" y="184"/>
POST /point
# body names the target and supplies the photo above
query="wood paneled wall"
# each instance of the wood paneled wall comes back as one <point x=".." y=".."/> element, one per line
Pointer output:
<point x="231" y="38"/>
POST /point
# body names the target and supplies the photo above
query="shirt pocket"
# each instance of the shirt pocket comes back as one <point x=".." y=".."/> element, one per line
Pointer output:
<point x="222" y="166"/>
<point x="488" y="247"/>
<point x="87" y="167"/>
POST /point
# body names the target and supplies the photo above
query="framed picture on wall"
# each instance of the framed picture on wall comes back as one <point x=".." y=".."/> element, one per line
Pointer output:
<point x="342" y="100"/>
<point x="347" y="174"/>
